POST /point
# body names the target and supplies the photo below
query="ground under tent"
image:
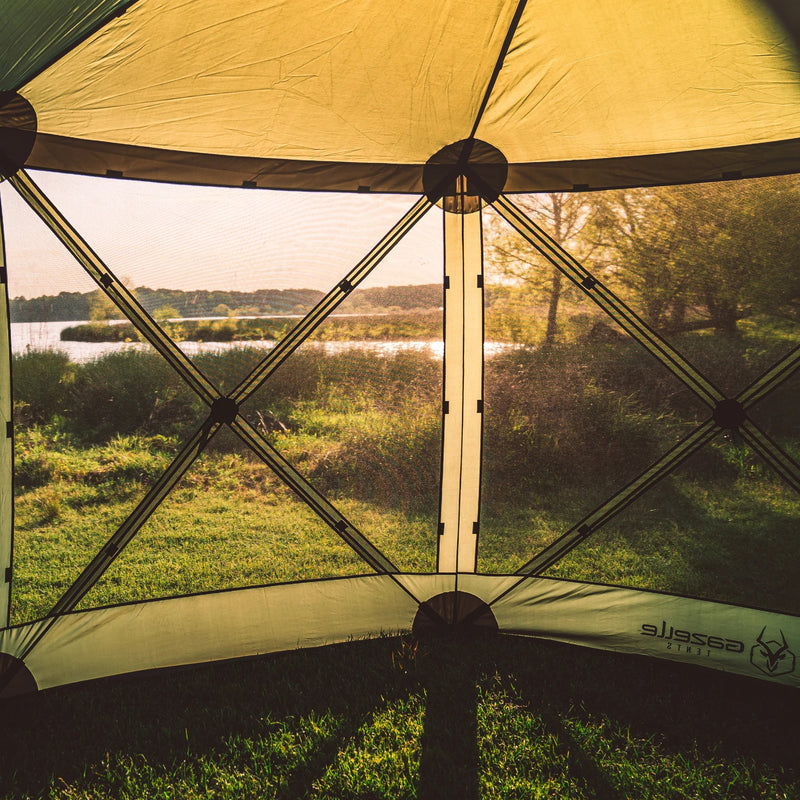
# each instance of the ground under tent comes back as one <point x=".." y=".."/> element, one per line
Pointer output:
<point x="379" y="447"/>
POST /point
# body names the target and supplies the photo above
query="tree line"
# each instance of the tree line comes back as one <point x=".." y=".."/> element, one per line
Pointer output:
<point x="684" y="257"/>
<point x="94" y="305"/>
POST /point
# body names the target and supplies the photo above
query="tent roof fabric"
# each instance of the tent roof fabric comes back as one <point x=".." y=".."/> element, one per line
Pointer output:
<point x="359" y="94"/>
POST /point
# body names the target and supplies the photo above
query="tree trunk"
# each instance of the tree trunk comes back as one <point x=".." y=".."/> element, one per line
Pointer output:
<point x="552" y="308"/>
<point x="724" y="316"/>
<point x="551" y="332"/>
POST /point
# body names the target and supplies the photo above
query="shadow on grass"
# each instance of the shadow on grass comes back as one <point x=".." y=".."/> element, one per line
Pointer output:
<point x="684" y="708"/>
<point x="313" y="698"/>
<point x="449" y="759"/>
<point x="307" y="724"/>
<point x="728" y="541"/>
<point x="742" y="544"/>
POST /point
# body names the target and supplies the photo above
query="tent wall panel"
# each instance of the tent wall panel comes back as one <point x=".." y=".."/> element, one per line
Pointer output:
<point x="209" y="627"/>
<point x="708" y="80"/>
<point x="336" y="73"/>
<point x="201" y="628"/>
<point x="745" y="641"/>
<point x="567" y="108"/>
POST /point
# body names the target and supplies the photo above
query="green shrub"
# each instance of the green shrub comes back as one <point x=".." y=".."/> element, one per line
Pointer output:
<point x="227" y="368"/>
<point x="101" y="332"/>
<point x="359" y="424"/>
<point x="41" y="382"/>
<point x="555" y="420"/>
<point x="358" y="377"/>
<point x="130" y="392"/>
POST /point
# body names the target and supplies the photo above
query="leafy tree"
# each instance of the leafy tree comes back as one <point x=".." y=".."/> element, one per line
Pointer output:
<point x="706" y="255"/>
<point x="563" y="215"/>
<point x="64" y="306"/>
<point x="166" y="313"/>
<point x="101" y="308"/>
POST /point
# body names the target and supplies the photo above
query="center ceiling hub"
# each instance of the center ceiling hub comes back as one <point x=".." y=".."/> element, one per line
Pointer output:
<point x="465" y="176"/>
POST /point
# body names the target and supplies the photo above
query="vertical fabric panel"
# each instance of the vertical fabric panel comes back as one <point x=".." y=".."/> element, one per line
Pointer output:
<point x="6" y="442"/>
<point x="463" y="392"/>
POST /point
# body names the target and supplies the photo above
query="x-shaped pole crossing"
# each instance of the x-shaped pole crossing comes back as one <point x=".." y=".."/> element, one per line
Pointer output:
<point x="725" y="412"/>
<point x="222" y="409"/>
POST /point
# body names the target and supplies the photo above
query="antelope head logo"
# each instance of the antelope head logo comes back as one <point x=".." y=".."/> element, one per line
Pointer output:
<point x="772" y="657"/>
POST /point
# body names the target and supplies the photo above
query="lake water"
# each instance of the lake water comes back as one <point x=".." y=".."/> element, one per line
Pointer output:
<point x="47" y="336"/>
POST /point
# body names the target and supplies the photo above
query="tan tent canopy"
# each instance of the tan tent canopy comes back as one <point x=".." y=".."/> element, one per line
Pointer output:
<point x="358" y="96"/>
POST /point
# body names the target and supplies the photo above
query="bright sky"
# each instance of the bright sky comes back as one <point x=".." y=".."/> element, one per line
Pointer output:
<point x="180" y="237"/>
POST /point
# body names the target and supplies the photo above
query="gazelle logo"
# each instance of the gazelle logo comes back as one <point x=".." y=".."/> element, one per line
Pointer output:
<point x="771" y="656"/>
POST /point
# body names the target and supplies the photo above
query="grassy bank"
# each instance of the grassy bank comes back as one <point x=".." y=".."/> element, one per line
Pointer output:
<point x="397" y="326"/>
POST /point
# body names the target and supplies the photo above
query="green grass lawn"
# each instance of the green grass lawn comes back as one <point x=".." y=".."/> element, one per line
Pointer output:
<point x="494" y="718"/>
<point x="229" y="523"/>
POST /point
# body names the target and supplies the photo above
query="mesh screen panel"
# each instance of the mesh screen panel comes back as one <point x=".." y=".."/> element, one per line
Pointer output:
<point x="347" y="426"/>
<point x="669" y="466"/>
